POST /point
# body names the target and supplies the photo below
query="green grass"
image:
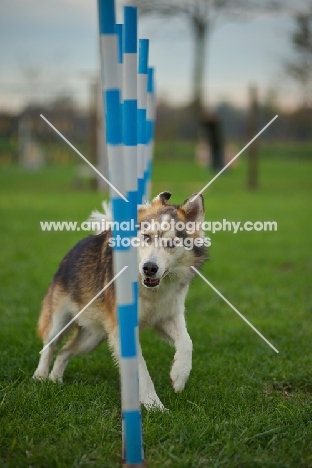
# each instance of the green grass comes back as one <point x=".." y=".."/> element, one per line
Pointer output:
<point x="244" y="405"/>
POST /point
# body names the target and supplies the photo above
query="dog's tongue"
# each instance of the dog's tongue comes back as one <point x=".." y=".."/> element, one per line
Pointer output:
<point x="152" y="280"/>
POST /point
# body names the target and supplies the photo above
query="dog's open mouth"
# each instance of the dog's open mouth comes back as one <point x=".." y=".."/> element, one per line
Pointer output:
<point x="151" y="282"/>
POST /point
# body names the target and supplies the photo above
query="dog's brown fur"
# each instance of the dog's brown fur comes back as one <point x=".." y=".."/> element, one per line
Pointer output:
<point x="88" y="267"/>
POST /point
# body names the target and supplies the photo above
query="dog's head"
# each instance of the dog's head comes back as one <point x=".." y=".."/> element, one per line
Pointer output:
<point x="171" y="240"/>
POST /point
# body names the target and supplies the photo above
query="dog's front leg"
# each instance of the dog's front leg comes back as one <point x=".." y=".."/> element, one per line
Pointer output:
<point x="175" y="331"/>
<point x="148" y="395"/>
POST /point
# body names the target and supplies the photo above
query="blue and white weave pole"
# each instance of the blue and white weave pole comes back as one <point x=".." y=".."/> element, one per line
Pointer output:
<point x="129" y="94"/>
<point x="142" y="101"/>
<point x="150" y="126"/>
<point x="111" y="85"/>
<point x="111" y="95"/>
<point x="126" y="291"/>
<point x="119" y="32"/>
<point x="130" y="343"/>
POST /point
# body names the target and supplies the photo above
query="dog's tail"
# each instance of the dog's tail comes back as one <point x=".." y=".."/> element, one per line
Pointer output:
<point x="44" y="322"/>
<point x="99" y="220"/>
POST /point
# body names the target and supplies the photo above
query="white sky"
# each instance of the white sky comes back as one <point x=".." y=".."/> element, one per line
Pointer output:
<point x="49" y="47"/>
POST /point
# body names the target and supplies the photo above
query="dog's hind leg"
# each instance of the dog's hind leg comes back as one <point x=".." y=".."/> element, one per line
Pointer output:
<point x="42" y="370"/>
<point x="50" y="325"/>
<point x="83" y="342"/>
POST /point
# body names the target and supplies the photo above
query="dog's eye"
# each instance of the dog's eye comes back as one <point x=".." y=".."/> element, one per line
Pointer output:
<point x="171" y="244"/>
<point x="146" y="237"/>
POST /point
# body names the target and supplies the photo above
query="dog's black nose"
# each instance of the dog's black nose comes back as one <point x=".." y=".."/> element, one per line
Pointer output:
<point x="150" y="269"/>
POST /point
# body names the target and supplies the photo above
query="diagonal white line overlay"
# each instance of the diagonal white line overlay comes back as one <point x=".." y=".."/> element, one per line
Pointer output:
<point x="235" y="157"/>
<point x="85" y="159"/>
<point x="84" y="308"/>
<point x="235" y="310"/>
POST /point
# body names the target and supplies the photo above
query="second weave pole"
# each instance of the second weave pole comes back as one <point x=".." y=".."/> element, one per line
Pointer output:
<point x="119" y="76"/>
<point x="128" y="319"/>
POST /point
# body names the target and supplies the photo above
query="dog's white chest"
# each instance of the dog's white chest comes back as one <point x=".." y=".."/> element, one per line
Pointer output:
<point x="160" y="306"/>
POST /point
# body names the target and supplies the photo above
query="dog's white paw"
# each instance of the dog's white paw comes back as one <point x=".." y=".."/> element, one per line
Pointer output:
<point x="179" y="374"/>
<point x="40" y="376"/>
<point x="55" y="378"/>
<point x="152" y="403"/>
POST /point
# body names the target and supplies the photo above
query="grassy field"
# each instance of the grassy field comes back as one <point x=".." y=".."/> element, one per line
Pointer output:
<point x="244" y="405"/>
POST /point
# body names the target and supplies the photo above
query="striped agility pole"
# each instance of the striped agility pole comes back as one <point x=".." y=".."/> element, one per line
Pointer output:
<point x="150" y="126"/>
<point x="142" y="102"/>
<point x="121" y="149"/>
<point x="132" y="447"/>
<point x="119" y="32"/>
<point x="129" y="106"/>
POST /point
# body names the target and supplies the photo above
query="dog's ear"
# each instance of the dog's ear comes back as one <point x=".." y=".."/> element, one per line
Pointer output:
<point x="163" y="197"/>
<point x="193" y="208"/>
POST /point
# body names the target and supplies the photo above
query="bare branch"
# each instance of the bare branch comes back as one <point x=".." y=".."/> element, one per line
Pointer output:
<point x="202" y="15"/>
<point x="163" y="8"/>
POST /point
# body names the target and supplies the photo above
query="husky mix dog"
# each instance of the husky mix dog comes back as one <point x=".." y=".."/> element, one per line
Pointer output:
<point x="164" y="277"/>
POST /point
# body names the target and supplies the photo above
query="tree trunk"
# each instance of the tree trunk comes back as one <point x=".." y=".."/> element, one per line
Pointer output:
<point x="200" y="30"/>
<point x="207" y="125"/>
<point x="253" y="150"/>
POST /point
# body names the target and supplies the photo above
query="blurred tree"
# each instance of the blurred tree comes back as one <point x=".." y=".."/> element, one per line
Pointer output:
<point x="300" y="68"/>
<point x="64" y="102"/>
<point x="201" y="15"/>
